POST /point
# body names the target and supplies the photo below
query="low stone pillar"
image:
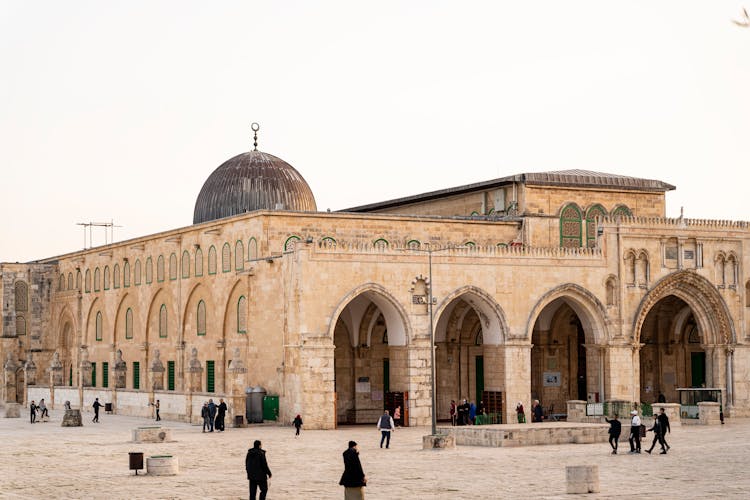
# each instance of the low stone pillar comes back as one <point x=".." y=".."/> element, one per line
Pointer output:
<point x="708" y="413"/>
<point x="582" y="479"/>
<point x="576" y="410"/>
<point x="154" y="434"/>
<point x="72" y="418"/>
<point x="438" y="441"/>
<point x="671" y="410"/>
<point x="12" y="410"/>
<point x="162" y="465"/>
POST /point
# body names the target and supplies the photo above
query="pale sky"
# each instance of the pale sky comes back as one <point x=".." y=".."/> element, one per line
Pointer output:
<point x="121" y="110"/>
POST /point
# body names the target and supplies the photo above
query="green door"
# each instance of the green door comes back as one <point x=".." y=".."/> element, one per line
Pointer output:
<point x="105" y="374"/>
<point x="270" y="407"/>
<point x="210" y="376"/>
<point x="93" y="374"/>
<point x="136" y="375"/>
<point x="479" y="364"/>
<point x="698" y="368"/>
<point x="170" y="375"/>
<point x="70" y="380"/>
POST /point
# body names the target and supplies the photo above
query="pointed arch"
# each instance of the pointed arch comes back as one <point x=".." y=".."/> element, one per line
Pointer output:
<point x="239" y="256"/>
<point x="571" y="226"/>
<point x="212" y="260"/>
<point x="494" y="323"/>
<point x="594" y="212"/>
<point x="185" y="265"/>
<point x="252" y="249"/>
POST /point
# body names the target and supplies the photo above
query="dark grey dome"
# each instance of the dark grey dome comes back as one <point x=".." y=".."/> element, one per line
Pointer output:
<point x="252" y="181"/>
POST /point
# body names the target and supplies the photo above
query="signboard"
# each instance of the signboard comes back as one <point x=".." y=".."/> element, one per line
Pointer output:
<point x="551" y="379"/>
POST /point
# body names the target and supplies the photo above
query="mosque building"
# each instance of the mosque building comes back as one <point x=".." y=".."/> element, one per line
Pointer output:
<point x="557" y="286"/>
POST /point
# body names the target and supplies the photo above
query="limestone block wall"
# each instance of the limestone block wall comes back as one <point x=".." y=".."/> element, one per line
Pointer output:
<point x="36" y="393"/>
<point x="173" y="406"/>
<point x="63" y="394"/>
<point x="90" y="395"/>
<point x="741" y="386"/>
<point x="134" y="403"/>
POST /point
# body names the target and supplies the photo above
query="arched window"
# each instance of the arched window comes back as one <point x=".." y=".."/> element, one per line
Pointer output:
<point x="252" y="249"/>
<point x="185" y="264"/>
<point x="731" y="271"/>
<point x="20" y="325"/>
<point x="469" y="244"/>
<point x="173" y="267"/>
<point x="198" y="262"/>
<point x="160" y="269"/>
<point x="149" y="271"/>
<point x="380" y="244"/>
<point x="129" y="323"/>
<point x="479" y="338"/>
<point x="621" y="211"/>
<point x="328" y="242"/>
<point x="61" y="283"/>
<point x="570" y="227"/>
<point x="98" y="325"/>
<point x="163" y="321"/>
<point x="88" y="280"/>
<point x="22" y="296"/>
<point x="630" y="268"/>
<point x="413" y="244"/>
<point x="212" y="260"/>
<point x="596" y="211"/>
<point x="116" y="276"/>
<point x="137" y="272"/>
<point x="242" y="315"/>
<point x="611" y="291"/>
<point x="201" y="318"/>
<point x="126" y="274"/>
<point x="239" y="255"/>
<point x="226" y="258"/>
<point x="106" y="277"/>
<point x="70" y="281"/>
<point x="97" y="279"/>
<point x="290" y="242"/>
<point x="78" y="280"/>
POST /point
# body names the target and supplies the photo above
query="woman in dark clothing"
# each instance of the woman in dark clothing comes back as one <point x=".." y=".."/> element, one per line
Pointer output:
<point x="353" y="479"/>
<point x="615" y="428"/>
<point x="297" y="424"/>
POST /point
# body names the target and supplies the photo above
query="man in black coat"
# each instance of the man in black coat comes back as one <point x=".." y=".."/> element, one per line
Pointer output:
<point x="211" y="414"/>
<point x="257" y="469"/>
<point x="615" y="428"/>
<point x="353" y="479"/>
<point x="221" y="411"/>
<point x="664" y="427"/>
<point x="96" y="407"/>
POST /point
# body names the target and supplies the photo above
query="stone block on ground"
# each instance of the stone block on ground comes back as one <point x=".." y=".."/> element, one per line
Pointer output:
<point x="438" y="441"/>
<point x="582" y="479"/>
<point x="72" y="418"/>
<point x="162" y="465"/>
<point x="155" y="434"/>
<point x="12" y="410"/>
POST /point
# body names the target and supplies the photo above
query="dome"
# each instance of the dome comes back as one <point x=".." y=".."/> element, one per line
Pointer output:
<point x="252" y="181"/>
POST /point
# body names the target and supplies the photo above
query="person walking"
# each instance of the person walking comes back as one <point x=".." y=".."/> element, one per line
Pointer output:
<point x="297" y="424"/>
<point x="520" y="414"/>
<point x="206" y="416"/>
<point x="664" y="427"/>
<point x="635" y="432"/>
<point x="536" y="410"/>
<point x="656" y="428"/>
<point x="385" y="426"/>
<point x="211" y="414"/>
<point x="353" y="479"/>
<point x="156" y="409"/>
<point x="615" y="428"/>
<point x="221" y="411"/>
<point x="43" y="413"/>
<point x="257" y="469"/>
<point x="96" y="407"/>
<point x="32" y="410"/>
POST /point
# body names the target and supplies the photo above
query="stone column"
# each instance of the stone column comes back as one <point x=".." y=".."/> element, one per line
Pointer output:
<point x="236" y="375"/>
<point x="194" y="372"/>
<point x="55" y="371"/>
<point x="157" y="372"/>
<point x="621" y="372"/>
<point x="9" y="369"/>
<point x="120" y="371"/>
<point x="709" y="350"/>
<point x="85" y="367"/>
<point x="517" y="354"/>
<point x="420" y="390"/>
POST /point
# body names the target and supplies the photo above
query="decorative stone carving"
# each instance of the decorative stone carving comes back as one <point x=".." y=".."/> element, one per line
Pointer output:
<point x="56" y="370"/>
<point x="236" y="365"/>
<point x="120" y="370"/>
<point x="85" y="367"/>
<point x="30" y="370"/>
<point x="157" y="372"/>
<point x="194" y="371"/>
<point x="194" y="365"/>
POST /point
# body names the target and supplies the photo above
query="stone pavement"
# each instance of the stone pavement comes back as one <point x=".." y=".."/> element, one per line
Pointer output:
<point x="46" y="460"/>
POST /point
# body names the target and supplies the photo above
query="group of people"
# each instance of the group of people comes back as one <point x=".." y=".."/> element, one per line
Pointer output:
<point x="537" y="412"/>
<point x="638" y="430"/>
<point x="41" y="408"/>
<point x="353" y="478"/>
<point x="213" y="416"/>
<point x="466" y="413"/>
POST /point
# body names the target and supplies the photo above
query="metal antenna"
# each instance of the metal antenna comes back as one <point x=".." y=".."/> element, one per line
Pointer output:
<point x="255" y="128"/>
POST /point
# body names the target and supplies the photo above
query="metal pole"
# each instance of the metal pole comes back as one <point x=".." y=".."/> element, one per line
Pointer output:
<point x="432" y="348"/>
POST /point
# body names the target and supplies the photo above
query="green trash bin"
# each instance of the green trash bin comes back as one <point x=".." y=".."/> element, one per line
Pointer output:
<point x="270" y="407"/>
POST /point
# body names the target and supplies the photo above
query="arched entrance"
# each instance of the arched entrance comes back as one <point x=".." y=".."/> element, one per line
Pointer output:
<point x="370" y="355"/>
<point x="469" y="362"/>
<point x="567" y="356"/>
<point x="682" y="328"/>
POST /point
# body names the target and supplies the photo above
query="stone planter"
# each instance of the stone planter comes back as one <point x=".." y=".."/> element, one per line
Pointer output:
<point x="162" y="465"/>
<point x="154" y="434"/>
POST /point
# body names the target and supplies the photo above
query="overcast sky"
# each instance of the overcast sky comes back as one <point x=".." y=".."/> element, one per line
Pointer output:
<point x="121" y="110"/>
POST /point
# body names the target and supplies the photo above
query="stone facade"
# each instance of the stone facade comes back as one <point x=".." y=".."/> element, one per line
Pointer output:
<point x="557" y="290"/>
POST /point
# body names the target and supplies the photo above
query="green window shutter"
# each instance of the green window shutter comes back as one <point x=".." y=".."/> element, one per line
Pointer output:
<point x="170" y="375"/>
<point x="386" y="375"/>
<point x="136" y="375"/>
<point x="93" y="374"/>
<point x="70" y="380"/>
<point x="105" y="374"/>
<point x="210" y="376"/>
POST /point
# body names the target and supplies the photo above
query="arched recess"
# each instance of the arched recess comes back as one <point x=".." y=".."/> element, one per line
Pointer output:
<point x="165" y="345"/>
<point x="130" y="347"/>
<point x="470" y="327"/>
<point x="230" y="336"/>
<point x="66" y="346"/>
<point x="568" y="332"/>
<point x="683" y="328"/>
<point x="370" y="331"/>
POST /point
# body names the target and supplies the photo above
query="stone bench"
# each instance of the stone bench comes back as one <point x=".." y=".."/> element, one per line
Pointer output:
<point x="154" y="434"/>
<point x="162" y="465"/>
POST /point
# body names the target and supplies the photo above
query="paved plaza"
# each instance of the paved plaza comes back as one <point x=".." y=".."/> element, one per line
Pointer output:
<point x="46" y="460"/>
